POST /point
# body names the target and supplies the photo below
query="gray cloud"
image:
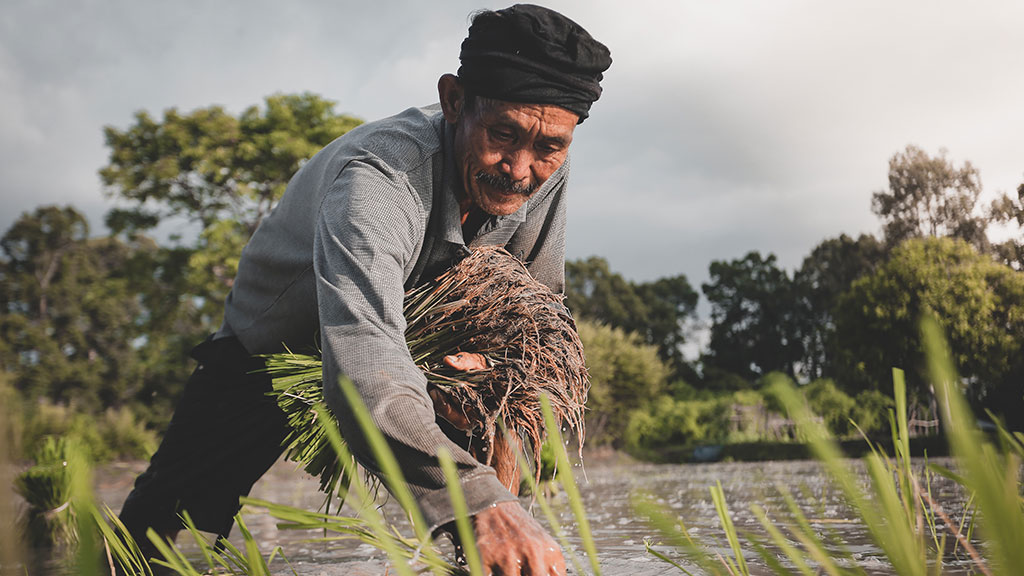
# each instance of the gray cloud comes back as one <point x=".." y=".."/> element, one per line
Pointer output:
<point x="724" y="127"/>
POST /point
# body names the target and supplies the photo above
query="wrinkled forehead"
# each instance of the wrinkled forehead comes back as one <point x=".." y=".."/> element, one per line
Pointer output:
<point x="552" y="120"/>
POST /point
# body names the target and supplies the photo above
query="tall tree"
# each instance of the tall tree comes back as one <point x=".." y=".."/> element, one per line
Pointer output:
<point x="752" y="314"/>
<point x="671" y="311"/>
<point x="824" y="276"/>
<point x="170" y="324"/>
<point x="34" y="248"/>
<point x="929" y="196"/>
<point x="69" y="313"/>
<point x="1010" y="210"/>
<point x="978" y="302"/>
<point x="593" y="291"/>
<point x="209" y="166"/>
<point x="222" y="172"/>
<point x="658" y="312"/>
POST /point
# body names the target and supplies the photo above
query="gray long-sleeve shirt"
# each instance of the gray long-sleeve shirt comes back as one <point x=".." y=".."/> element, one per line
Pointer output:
<point x="371" y="216"/>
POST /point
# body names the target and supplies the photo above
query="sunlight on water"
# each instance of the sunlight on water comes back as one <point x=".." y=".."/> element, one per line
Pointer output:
<point x="618" y="532"/>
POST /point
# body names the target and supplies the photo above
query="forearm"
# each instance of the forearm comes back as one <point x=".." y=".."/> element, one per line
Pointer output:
<point x="363" y="242"/>
<point x="400" y="408"/>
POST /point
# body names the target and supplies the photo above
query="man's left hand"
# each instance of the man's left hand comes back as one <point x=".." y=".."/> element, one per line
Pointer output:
<point x="466" y="361"/>
<point x="504" y="456"/>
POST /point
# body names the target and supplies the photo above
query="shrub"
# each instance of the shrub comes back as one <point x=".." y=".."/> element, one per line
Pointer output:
<point x="625" y="375"/>
<point x="671" y="422"/>
<point x="833" y="405"/>
<point x="116" y="433"/>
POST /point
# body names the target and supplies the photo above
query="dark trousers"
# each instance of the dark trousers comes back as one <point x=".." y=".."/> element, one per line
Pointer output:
<point x="225" y="433"/>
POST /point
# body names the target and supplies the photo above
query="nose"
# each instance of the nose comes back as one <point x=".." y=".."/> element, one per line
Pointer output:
<point x="516" y="164"/>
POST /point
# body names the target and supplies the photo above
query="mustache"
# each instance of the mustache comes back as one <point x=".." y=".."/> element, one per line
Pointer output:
<point x="505" y="183"/>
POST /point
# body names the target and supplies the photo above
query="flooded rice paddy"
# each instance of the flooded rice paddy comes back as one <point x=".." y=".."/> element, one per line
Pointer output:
<point x="607" y="489"/>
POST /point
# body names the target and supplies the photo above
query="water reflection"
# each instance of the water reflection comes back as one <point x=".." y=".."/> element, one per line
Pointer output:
<point x="607" y="489"/>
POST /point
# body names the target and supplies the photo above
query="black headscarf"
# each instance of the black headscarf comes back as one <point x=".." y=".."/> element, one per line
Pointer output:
<point x="528" y="53"/>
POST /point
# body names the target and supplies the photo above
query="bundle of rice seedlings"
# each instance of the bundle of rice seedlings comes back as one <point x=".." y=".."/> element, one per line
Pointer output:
<point x="487" y="304"/>
<point x="298" y="386"/>
<point x="48" y="518"/>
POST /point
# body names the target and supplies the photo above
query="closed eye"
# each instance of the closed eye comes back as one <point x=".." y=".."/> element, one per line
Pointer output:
<point x="549" y="147"/>
<point x="501" y="135"/>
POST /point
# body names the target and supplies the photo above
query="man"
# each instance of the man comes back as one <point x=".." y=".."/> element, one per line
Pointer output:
<point x="379" y="211"/>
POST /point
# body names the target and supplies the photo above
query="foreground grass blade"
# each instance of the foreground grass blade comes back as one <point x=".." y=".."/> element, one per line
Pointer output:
<point x="372" y="516"/>
<point x="88" y="557"/>
<point x="994" y="477"/>
<point x="676" y="535"/>
<point x="807" y="536"/>
<point x="791" y="552"/>
<point x="343" y="528"/>
<point x="739" y="564"/>
<point x="568" y="482"/>
<point x="389" y="466"/>
<point x="124" y="552"/>
<point x="462" y="523"/>
<point x="892" y="541"/>
<point x="545" y="507"/>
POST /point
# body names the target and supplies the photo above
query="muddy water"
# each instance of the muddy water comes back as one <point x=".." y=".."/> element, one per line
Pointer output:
<point x="607" y="489"/>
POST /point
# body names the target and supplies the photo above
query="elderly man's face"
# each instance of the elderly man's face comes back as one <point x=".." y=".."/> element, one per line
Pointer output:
<point x="505" y="150"/>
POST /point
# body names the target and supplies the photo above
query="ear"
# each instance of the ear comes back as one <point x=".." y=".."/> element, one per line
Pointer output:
<point x="452" y="97"/>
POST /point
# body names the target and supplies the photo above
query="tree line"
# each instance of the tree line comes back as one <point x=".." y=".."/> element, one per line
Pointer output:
<point x="850" y="313"/>
<point x="95" y="330"/>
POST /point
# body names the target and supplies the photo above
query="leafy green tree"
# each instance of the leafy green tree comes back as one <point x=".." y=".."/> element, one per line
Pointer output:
<point x="222" y="172"/>
<point x="824" y="276"/>
<point x="34" y="248"/>
<point x="170" y="324"/>
<point x="69" y="312"/>
<point x="831" y="404"/>
<point x="671" y="309"/>
<point x="1010" y="210"/>
<point x="659" y="311"/>
<point x="929" y="196"/>
<point x="753" y="318"/>
<point x="593" y="291"/>
<point x="672" y="423"/>
<point x="209" y="166"/>
<point x="978" y="302"/>
<point x="625" y="374"/>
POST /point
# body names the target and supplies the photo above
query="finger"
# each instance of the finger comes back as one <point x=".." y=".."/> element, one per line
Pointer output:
<point x="545" y="562"/>
<point x="444" y="408"/>
<point x="505" y="461"/>
<point x="466" y="361"/>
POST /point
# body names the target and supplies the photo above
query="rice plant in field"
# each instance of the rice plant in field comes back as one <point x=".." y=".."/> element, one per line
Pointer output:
<point x="408" y="554"/>
<point x="48" y="518"/>
<point x="911" y="529"/>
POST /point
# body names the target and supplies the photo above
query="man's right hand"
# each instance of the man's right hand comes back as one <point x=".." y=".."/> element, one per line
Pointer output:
<point x="510" y="541"/>
<point x="513" y="543"/>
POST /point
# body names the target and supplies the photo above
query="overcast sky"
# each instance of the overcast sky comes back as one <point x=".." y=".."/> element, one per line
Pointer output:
<point x="724" y="126"/>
